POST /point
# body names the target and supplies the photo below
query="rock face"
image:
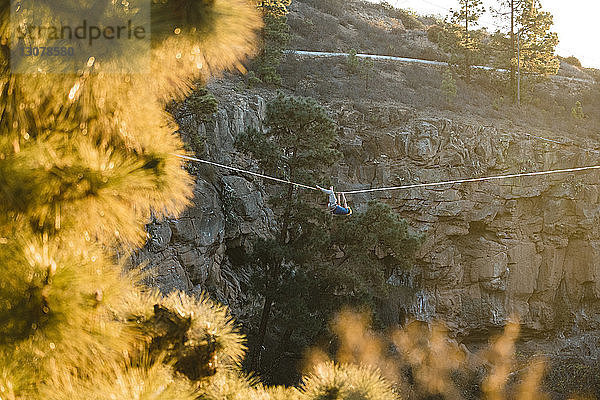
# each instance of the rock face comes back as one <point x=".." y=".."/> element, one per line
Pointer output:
<point x="526" y="247"/>
<point x="189" y="253"/>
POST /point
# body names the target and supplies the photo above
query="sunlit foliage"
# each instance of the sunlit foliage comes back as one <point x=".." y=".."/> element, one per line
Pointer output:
<point x="421" y="361"/>
<point x="460" y="39"/>
<point x="86" y="157"/>
<point x="345" y="382"/>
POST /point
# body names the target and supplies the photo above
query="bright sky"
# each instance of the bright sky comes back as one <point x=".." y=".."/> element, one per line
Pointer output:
<point x="574" y="21"/>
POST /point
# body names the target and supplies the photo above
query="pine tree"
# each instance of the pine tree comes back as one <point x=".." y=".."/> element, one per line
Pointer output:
<point x="298" y="274"/>
<point x="353" y="62"/>
<point x="275" y="38"/>
<point x="577" y="111"/>
<point x="449" y="86"/>
<point x="370" y="247"/>
<point x="537" y="43"/>
<point x="86" y="156"/>
<point x="529" y="46"/>
<point x="298" y="140"/>
<point x="461" y="40"/>
<point x="366" y="70"/>
<point x="504" y="46"/>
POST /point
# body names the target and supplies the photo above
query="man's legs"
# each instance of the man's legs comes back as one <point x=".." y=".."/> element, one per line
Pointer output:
<point x="331" y="194"/>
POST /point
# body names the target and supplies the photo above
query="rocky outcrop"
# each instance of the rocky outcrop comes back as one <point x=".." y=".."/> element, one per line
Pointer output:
<point x="526" y="247"/>
<point x="190" y="253"/>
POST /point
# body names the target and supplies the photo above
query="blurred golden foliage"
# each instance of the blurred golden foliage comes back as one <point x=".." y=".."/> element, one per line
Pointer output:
<point x="501" y="358"/>
<point x="421" y="360"/>
<point x="86" y="159"/>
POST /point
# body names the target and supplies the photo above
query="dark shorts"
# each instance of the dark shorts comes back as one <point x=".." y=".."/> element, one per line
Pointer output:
<point x="339" y="210"/>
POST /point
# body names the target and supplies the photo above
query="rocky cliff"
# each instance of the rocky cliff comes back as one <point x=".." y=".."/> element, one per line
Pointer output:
<point x="526" y="247"/>
<point x="191" y="253"/>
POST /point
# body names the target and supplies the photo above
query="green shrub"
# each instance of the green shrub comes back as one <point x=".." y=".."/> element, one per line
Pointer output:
<point x="577" y="111"/>
<point x="572" y="60"/>
<point x="252" y="79"/>
<point x="433" y="33"/>
<point x="498" y="102"/>
<point x="198" y="143"/>
<point x="449" y="86"/>
<point x="202" y="103"/>
<point x="352" y="61"/>
<point x="275" y="38"/>
<point x="360" y="66"/>
<point x="367" y="66"/>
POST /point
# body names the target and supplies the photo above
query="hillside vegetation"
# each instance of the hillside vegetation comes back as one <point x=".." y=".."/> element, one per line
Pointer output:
<point x="365" y="27"/>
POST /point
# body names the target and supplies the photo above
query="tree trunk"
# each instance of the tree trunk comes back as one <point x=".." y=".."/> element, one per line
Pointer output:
<point x="286" y="215"/>
<point x="467" y="49"/>
<point x="519" y="71"/>
<point x="262" y="331"/>
<point x="512" y="54"/>
<point x="271" y="276"/>
<point x="281" y="351"/>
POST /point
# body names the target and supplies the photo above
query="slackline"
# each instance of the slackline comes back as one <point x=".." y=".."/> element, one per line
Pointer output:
<point x="403" y="187"/>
